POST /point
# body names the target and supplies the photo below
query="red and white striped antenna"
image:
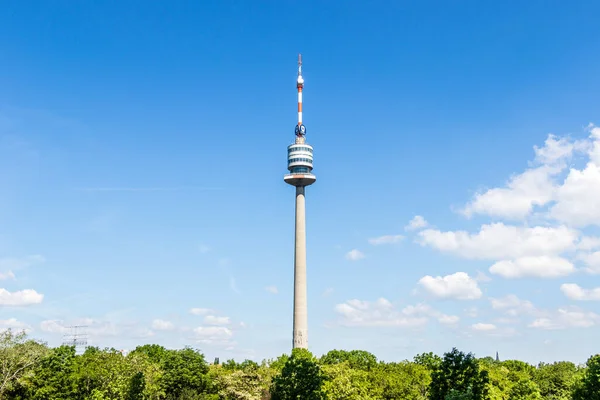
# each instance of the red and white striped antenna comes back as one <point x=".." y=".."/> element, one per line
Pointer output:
<point x="300" y="85"/>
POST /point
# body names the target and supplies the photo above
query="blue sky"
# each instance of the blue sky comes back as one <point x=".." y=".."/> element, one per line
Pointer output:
<point x="143" y="147"/>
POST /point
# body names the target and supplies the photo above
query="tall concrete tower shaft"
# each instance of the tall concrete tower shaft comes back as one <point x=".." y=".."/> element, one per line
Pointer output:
<point x="300" y="165"/>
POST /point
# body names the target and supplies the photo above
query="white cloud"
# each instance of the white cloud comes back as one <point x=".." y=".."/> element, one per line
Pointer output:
<point x="555" y="197"/>
<point x="417" y="222"/>
<point x="14" y="324"/>
<point x="214" y="320"/>
<point x="539" y="266"/>
<point x="383" y="313"/>
<point x="162" y="325"/>
<point x="7" y="275"/>
<point x="563" y="318"/>
<point x="272" y="289"/>
<point x="456" y="286"/>
<point x="203" y="249"/>
<point x="576" y="292"/>
<point x="536" y="186"/>
<point x="483" y="327"/>
<point x="512" y="305"/>
<point x="20" y="298"/>
<point x="200" y="311"/>
<point x="218" y="335"/>
<point x="448" y="319"/>
<point x="425" y="310"/>
<point x="592" y="260"/>
<point x="328" y="292"/>
<point x="493" y="330"/>
<point x="378" y="313"/>
<point x="387" y="239"/>
<point x="589" y="243"/>
<point x="498" y="241"/>
<point x="571" y="201"/>
<point x="354" y="255"/>
<point x="53" y="326"/>
<point x="577" y="202"/>
<point x="523" y="192"/>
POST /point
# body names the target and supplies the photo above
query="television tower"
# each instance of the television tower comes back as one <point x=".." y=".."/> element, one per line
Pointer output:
<point x="300" y="165"/>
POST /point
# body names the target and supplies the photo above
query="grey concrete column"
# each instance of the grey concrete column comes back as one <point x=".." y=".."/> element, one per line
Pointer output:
<point x="300" y="303"/>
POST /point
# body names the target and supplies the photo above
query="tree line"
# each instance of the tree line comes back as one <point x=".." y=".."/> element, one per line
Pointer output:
<point x="32" y="370"/>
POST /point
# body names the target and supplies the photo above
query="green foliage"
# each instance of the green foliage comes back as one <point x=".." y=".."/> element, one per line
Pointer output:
<point x="184" y="368"/>
<point x="589" y="386"/>
<point x="248" y="382"/>
<point x="459" y="374"/>
<point x="18" y="356"/>
<point x="358" y="359"/>
<point x="300" y="378"/>
<point x="556" y="380"/>
<point x="404" y="380"/>
<point x="55" y="376"/>
<point x="524" y="390"/>
<point x="342" y="382"/>
<point x="32" y="371"/>
<point x="429" y="360"/>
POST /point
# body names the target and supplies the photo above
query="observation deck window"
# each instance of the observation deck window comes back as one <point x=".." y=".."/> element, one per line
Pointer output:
<point x="303" y="148"/>
<point x="300" y="170"/>
<point x="293" y="160"/>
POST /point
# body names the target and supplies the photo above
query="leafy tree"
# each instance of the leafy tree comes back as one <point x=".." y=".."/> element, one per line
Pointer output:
<point x="429" y="360"/>
<point x="54" y="376"/>
<point x="358" y="359"/>
<point x="17" y="355"/>
<point x="459" y="395"/>
<point x="524" y="389"/>
<point x="300" y="379"/>
<point x="404" y="380"/>
<point x="459" y="373"/>
<point x="250" y="383"/>
<point x="184" y="369"/>
<point x="181" y="371"/>
<point x="345" y="383"/>
<point x="499" y="378"/>
<point x="589" y="387"/>
<point x="105" y="374"/>
<point x="278" y="363"/>
<point x="517" y="366"/>
<point x="556" y="380"/>
<point x="154" y="352"/>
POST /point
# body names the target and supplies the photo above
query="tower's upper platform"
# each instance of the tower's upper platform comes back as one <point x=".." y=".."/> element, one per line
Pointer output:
<point x="300" y="163"/>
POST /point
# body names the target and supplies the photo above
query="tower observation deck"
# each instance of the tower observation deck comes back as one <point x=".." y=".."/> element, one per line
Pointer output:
<point x="300" y="165"/>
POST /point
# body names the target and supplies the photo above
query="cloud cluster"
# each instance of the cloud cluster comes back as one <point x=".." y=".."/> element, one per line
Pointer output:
<point x="216" y="330"/>
<point x="354" y="255"/>
<point x="458" y="286"/>
<point x="20" y="298"/>
<point x="562" y="318"/>
<point x="14" y="324"/>
<point x="575" y="292"/>
<point x="162" y="325"/>
<point x="541" y="221"/>
<point x="541" y="215"/>
<point x="382" y="313"/>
